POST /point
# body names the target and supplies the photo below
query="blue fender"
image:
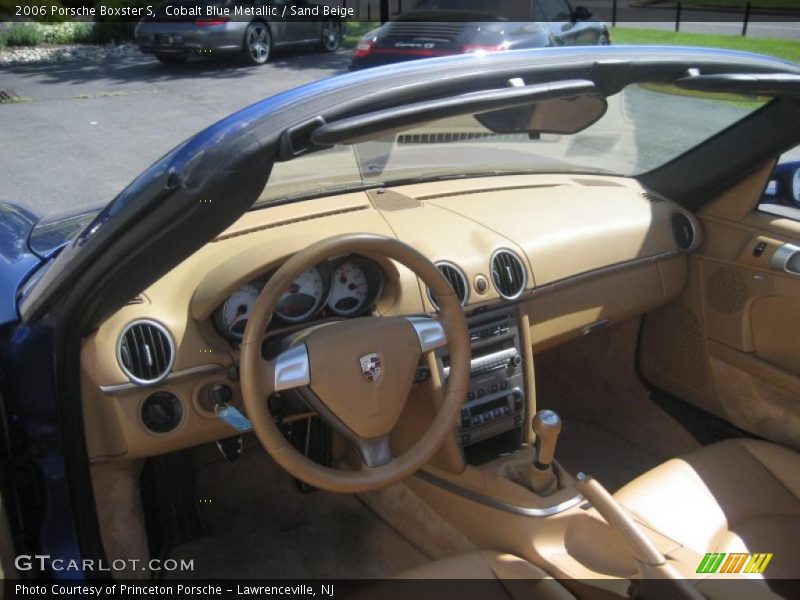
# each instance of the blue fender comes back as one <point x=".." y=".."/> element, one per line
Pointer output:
<point x="17" y="260"/>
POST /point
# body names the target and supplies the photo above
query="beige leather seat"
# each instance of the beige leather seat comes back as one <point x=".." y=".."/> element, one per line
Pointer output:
<point x="503" y="576"/>
<point x="733" y="496"/>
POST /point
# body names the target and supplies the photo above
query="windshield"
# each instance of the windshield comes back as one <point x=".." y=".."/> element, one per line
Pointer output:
<point x="644" y="127"/>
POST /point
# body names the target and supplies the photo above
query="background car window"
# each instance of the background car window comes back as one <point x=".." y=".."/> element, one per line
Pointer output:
<point x="782" y="194"/>
<point x="552" y="10"/>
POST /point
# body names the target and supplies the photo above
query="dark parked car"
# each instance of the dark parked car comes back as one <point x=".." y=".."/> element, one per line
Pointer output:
<point x="209" y="28"/>
<point x="446" y="27"/>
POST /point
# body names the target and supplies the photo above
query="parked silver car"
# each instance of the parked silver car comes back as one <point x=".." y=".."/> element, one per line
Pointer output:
<point x="250" y="29"/>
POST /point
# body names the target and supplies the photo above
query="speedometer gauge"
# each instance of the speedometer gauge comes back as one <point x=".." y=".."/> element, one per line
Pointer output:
<point x="237" y="309"/>
<point x="303" y="298"/>
<point x="349" y="290"/>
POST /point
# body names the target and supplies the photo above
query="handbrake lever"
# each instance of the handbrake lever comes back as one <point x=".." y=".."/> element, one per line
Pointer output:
<point x="650" y="562"/>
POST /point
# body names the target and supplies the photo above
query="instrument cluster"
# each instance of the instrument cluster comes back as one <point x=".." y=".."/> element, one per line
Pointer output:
<point x="347" y="286"/>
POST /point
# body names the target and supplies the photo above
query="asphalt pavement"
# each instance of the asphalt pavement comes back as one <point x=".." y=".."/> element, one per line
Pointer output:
<point x="87" y="129"/>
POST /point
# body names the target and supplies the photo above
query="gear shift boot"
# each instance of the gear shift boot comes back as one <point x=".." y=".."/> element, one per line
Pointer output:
<point x="543" y="482"/>
<point x="541" y="475"/>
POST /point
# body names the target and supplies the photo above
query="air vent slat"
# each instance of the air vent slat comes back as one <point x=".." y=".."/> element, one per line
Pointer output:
<point x="155" y="363"/>
<point x="163" y="356"/>
<point x="457" y="280"/>
<point x="508" y="274"/>
<point x="145" y="352"/>
<point x="132" y="351"/>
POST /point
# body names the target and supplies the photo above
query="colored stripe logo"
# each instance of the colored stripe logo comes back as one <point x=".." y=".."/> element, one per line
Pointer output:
<point x="742" y="562"/>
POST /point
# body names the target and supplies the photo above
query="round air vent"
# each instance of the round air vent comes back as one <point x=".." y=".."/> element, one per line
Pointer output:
<point x="684" y="232"/>
<point x="145" y="352"/>
<point x="508" y="274"/>
<point x="457" y="280"/>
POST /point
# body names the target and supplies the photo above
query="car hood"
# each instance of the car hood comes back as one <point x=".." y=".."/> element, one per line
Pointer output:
<point x="26" y="242"/>
<point x="53" y="231"/>
<point x="17" y="261"/>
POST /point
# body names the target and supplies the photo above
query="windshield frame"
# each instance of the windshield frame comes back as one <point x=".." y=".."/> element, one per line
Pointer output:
<point x="399" y="177"/>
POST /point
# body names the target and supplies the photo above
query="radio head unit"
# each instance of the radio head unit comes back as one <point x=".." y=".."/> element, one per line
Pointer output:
<point x="495" y="401"/>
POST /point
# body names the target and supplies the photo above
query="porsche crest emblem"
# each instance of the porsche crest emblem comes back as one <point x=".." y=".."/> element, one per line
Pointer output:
<point x="371" y="366"/>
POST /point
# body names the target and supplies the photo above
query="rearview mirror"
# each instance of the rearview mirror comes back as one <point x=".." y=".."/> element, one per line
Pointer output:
<point x="561" y="116"/>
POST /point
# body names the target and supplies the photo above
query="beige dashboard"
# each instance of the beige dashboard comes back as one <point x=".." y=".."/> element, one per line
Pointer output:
<point x="594" y="250"/>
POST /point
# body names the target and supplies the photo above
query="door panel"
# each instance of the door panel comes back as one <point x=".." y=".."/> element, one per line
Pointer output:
<point x="731" y="343"/>
<point x="776" y="331"/>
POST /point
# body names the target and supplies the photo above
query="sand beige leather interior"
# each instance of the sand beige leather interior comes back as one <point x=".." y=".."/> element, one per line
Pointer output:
<point x="487" y="565"/>
<point x="729" y="344"/>
<point x="595" y="248"/>
<point x="732" y="496"/>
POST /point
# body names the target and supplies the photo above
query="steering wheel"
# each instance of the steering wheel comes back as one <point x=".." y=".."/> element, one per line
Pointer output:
<point x="356" y="374"/>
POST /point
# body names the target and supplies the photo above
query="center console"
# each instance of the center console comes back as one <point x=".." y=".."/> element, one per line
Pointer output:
<point x="495" y="402"/>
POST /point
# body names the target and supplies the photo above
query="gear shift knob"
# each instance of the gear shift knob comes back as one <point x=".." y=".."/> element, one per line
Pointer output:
<point x="546" y="425"/>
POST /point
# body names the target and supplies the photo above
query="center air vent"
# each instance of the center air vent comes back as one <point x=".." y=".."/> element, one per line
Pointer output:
<point x="145" y="352"/>
<point x="508" y="274"/>
<point x="457" y="280"/>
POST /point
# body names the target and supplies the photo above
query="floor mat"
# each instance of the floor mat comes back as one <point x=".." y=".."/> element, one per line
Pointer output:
<point x="612" y="427"/>
<point x="260" y="526"/>
<point x="610" y="459"/>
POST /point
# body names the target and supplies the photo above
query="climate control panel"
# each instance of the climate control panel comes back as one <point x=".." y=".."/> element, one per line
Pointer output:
<point x="495" y="401"/>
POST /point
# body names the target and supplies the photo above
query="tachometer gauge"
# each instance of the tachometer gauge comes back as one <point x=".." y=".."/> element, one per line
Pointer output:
<point x="349" y="290"/>
<point x="236" y="311"/>
<point x="303" y="298"/>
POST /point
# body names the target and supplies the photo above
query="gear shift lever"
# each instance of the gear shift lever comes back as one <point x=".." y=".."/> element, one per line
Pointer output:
<point x="546" y="425"/>
<point x="539" y="476"/>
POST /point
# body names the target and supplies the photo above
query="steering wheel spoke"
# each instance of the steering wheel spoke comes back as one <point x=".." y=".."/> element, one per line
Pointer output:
<point x="375" y="452"/>
<point x="430" y="332"/>
<point x="292" y="369"/>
